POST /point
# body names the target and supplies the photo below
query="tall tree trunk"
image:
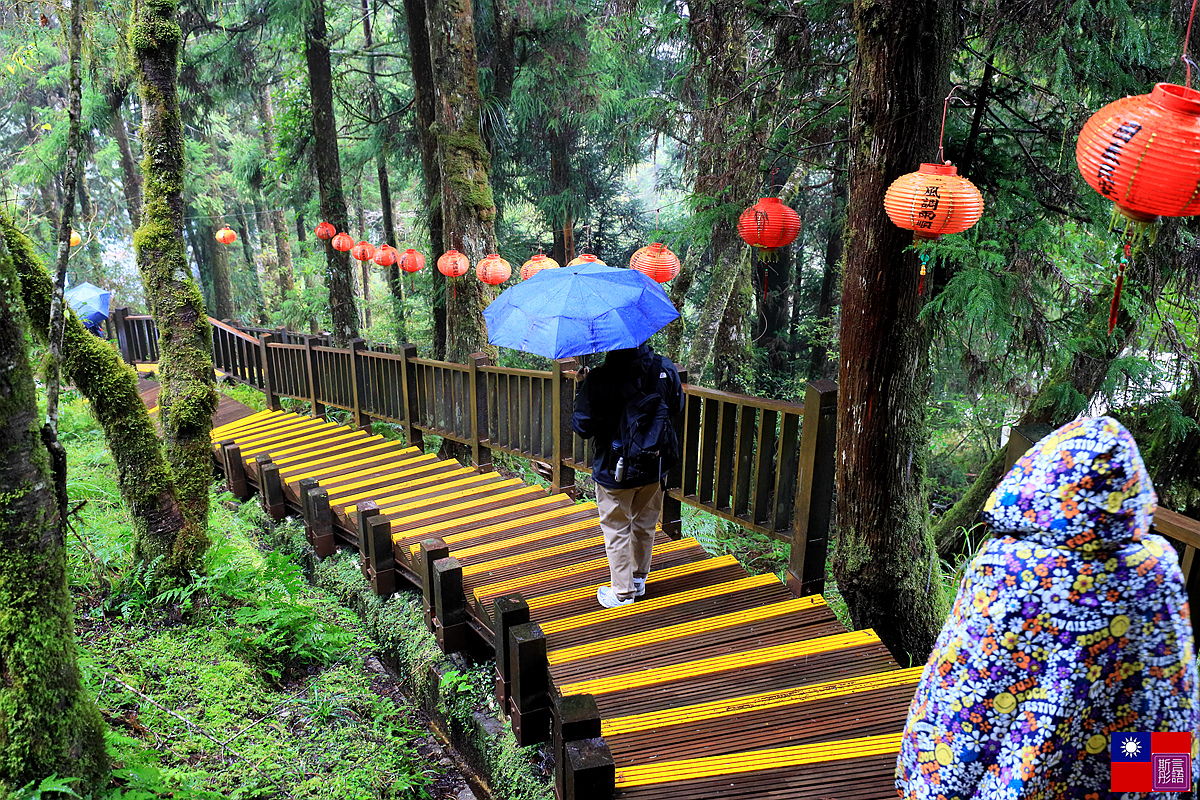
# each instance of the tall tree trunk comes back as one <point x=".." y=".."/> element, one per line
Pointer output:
<point x="200" y="237"/>
<point x="717" y="31"/>
<point x="689" y="266"/>
<point x="338" y="275"/>
<point x="885" y="562"/>
<point x="48" y="723"/>
<point x="422" y="72"/>
<point x="131" y="179"/>
<point x="187" y="398"/>
<point x="820" y="365"/>
<point x="360" y="213"/>
<point x="468" y="210"/>
<point x="283" y="247"/>
<point x="503" y="52"/>
<point x="563" y="248"/>
<point x="87" y="214"/>
<point x="222" y="307"/>
<point x="731" y="351"/>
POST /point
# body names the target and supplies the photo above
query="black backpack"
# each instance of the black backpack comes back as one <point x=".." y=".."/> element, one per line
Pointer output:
<point x="648" y="444"/>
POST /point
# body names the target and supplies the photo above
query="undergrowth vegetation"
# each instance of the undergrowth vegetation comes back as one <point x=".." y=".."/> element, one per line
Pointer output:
<point x="246" y="682"/>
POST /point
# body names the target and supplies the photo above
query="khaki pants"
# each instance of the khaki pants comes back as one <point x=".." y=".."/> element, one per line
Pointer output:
<point x="628" y="517"/>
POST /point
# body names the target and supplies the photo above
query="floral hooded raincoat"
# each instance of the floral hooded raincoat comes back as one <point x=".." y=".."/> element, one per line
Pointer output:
<point x="1070" y="624"/>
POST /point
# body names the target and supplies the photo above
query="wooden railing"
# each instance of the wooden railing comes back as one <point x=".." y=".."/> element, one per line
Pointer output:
<point x="742" y="458"/>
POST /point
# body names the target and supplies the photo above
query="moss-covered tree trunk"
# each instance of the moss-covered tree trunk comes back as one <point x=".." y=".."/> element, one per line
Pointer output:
<point x="468" y="210"/>
<point x="422" y="72"/>
<point x="48" y="724"/>
<point x="187" y="398"/>
<point x="339" y="276"/>
<point x="885" y="562"/>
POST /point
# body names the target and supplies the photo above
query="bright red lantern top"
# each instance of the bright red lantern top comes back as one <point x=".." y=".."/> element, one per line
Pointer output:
<point x="342" y="242"/>
<point x="1143" y="153"/>
<point x="656" y="261"/>
<point x="363" y="251"/>
<point x="933" y="201"/>
<point x="453" y="264"/>
<point x="386" y="255"/>
<point x="326" y="231"/>
<point x="226" y="235"/>
<point x="412" y="261"/>
<point x="585" y="259"/>
<point x="493" y="270"/>
<point x="536" y="264"/>
<point x="769" y="225"/>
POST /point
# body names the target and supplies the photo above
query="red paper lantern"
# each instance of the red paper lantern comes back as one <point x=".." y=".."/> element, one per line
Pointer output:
<point x="412" y="261"/>
<point x="585" y="259"/>
<point x="453" y="264"/>
<point x="75" y="238"/>
<point x="656" y="261"/>
<point x="226" y="235"/>
<point x="325" y="231"/>
<point x="536" y="264"/>
<point x="768" y="225"/>
<point x="342" y="242"/>
<point x="493" y="270"/>
<point x="933" y="201"/>
<point x="386" y="255"/>
<point x="363" y="251"/>
<point x="1143" y="153"/>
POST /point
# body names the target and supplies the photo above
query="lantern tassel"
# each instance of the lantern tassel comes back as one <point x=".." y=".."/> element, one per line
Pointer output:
<point x="1116" y="301"/>
<point x="921" y="283"/>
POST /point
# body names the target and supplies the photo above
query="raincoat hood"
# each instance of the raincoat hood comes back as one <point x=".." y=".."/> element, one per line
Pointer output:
<point x="1083" y="487"/>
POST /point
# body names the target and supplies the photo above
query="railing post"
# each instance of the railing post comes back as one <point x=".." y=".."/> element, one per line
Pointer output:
<point x="562" y="476"/>
<point x="814" y="490"/>
<point x="591" y="773"/>
<point x="481" y="454"/>
<point x="271" y="489"/>
<point x="358" y="382"/>
<point x="235" y="472"/>
<point x="672" y="507"/>
<point x="507" y="612"/>
<point x="576" y="718"/>
<point x="529" y="710"/>
<point x="449" y="605"/>
<point x="432" y="551"/>
<point x="381" y="556"/>
<point x="118" y="320"/>
<point x="310" y="359"/>
<point x="265" y="340"/>
<point x="408" y="384"/>
<point x="366" y="510"/>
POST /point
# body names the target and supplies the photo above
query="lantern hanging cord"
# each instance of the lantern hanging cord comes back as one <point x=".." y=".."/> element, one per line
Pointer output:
<point x="946" y="105"/>
<point x="1187" y="62"/>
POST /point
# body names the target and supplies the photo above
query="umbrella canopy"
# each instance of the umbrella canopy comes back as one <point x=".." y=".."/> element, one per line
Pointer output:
<point x="90" y="303"/>
<point x="571" y="311"/>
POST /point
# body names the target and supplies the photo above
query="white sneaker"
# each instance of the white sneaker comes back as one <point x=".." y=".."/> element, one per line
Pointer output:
<point x="608" y="598"/>
<point x="639" y="587"/>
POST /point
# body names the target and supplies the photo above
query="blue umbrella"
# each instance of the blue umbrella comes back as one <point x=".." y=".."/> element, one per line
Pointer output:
<point x="571" y="311"/>
<point x="90" y="303"/>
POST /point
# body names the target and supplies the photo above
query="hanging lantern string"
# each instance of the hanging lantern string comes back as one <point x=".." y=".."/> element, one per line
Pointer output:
<point x="1116" y="301"/>
<point x="946" y="105"/>
<point x="924" y="261"/>
<point x="1187" y="62"/>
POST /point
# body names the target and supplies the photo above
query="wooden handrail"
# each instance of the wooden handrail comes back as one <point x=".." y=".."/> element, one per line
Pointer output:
<point x="1173" y="525"/>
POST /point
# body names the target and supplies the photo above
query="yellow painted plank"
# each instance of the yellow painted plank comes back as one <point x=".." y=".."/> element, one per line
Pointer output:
<point x="376" y="471"/>
<point x="656" y="720"/>
<point x="691" y="628"/>
<point x="533" y="555"/>
<point x="464" y="478"/>
<point x="521" y="581"/>
<point x="554" y="513"/>
<point x="290" y="440"/>
<point x="454" y="510"/>
<point x="279" y="425"/>
<point x="336" y="441"/>
<point x="570" y="595"/>
<point x="370" y="455"/>
<point x="462" y="494"/>
<point x="516" y="541"/>
<point x="283" y="433"/>
<point x="406" y="487"/>
<point x="244" y="422"/>
<point x="657" y="603"/>
<point x="725" y="663"/>
<point x="658" y="772"/>
<point x="434" y="530"/>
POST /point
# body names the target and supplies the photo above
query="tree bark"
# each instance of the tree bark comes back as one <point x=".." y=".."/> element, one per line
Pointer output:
<point x="885" y="562"/>
<point x="820" y="365"/>
<point x="187" y="398"/>
<point x="283" y="248"/>
<point x="338" y="274"/>
<point x="732" y="357"/>
<point x="48" y="723"/>
<point x="131" y="179"/>
<point x="468" y="210"/>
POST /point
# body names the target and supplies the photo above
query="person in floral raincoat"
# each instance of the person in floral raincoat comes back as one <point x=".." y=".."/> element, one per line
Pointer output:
<point x="1069" y="625"/>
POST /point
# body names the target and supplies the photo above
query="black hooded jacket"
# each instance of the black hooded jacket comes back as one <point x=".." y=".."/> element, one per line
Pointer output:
<point x="600" y="403"/>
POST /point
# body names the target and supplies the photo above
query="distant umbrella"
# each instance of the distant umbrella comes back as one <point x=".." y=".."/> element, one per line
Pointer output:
<point x="90" y="302"/>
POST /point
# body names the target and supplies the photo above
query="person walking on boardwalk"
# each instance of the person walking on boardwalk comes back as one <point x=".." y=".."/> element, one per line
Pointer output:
<point x="1070" y="629"/>
<point x="625" y="406"/>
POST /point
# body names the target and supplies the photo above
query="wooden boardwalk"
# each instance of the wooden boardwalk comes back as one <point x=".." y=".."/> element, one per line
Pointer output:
<point x="714" y="684"/>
